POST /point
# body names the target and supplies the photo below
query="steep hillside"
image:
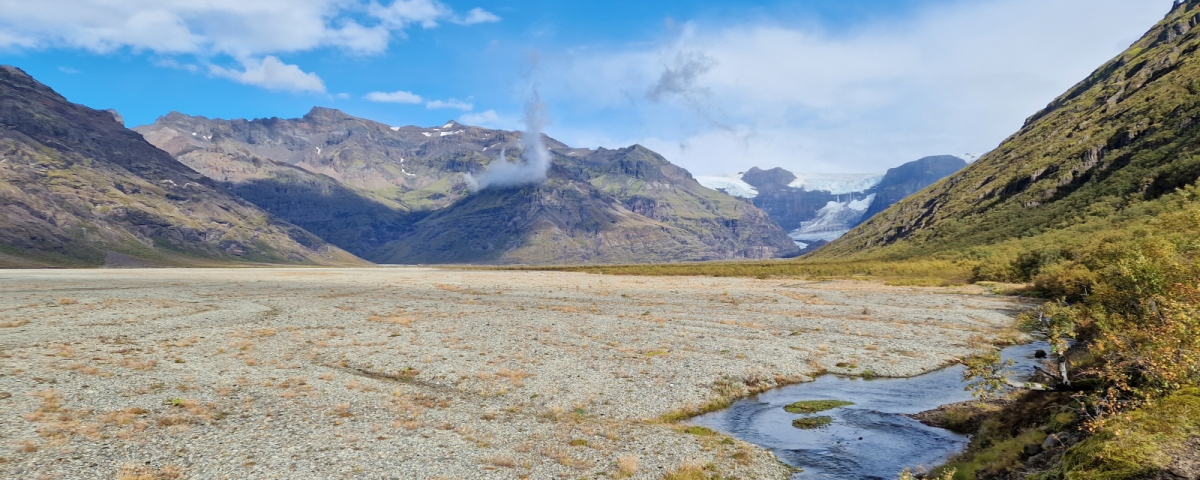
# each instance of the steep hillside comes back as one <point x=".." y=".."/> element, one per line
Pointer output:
<point x="398" y="195"/>
<point x="78" y="189"/>
<point x="1099" y="158"/>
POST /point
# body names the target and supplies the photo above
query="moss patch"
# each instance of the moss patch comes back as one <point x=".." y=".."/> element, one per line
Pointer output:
<point x="1139" y="443"/>
<point x="812" y="423"/>
<point x="814" y="406"/>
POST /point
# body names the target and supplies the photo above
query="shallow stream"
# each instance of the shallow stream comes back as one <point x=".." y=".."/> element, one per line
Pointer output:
<point x="871" y="439"/>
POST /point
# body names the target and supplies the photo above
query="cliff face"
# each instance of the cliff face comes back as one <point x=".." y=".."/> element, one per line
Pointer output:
<point x="77" y="188"/>
<point x="398" y="195"/>
<point x="1107" y="148"/>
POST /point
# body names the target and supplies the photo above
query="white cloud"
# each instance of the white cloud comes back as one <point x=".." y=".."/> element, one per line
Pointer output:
<point x="491" y="119"/>
<point x="394" y="97"/>
<point x="958" y="77"/>
<point x="272" y="74"/>
<point x="235" y="27"/>
<point x="68" y="70"/>
<point x="478" y="15"/>
<point x="451" y="103"/>
<point x="172" y="63"/>
<point x="240" y="29"/>
<point x="402" y="13"/>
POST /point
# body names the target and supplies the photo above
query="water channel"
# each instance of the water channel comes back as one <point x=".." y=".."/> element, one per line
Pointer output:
<point x="871" y="439"/>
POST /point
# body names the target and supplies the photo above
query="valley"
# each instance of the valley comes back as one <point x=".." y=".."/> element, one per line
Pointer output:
<point x="425" y="373"/>
<point x="819" y="208"/>
<point x="332" y="296"/>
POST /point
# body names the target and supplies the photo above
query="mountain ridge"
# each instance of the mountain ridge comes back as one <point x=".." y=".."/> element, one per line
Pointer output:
<point x="78" y="188"/>
<point x="413" y="180"/>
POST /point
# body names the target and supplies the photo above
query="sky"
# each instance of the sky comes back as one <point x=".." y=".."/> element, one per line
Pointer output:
<point x="813" y="86"/>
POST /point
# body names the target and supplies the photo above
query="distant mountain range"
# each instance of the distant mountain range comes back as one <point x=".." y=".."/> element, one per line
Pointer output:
<point x="819" y="208"/>
<point x="400" y="195"/>
<point x="78" y="189"/>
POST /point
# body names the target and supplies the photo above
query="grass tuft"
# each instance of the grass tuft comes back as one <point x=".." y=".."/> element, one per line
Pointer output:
<point x="812" y="423"/>
<point x="814" y="406"/>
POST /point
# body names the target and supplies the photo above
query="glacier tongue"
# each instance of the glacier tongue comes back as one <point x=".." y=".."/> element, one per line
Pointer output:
<point x="833" y="220"/>
<point x="837" y="183"/>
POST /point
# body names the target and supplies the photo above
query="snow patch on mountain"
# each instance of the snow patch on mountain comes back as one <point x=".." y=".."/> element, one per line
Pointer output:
<point x="730" y="184"/>
<point x="833" y="220"/>
<point x="837" y="183"/>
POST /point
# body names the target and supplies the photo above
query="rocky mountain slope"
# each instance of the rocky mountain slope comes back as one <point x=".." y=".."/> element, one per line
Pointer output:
<point x="818" y="208"/>
<point x="1100" y="156"/>
<point x="398" y="194"/>
<point x="78" y="189"/>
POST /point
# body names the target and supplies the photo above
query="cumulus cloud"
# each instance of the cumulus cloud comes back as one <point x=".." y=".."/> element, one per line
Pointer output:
<point x="272" y="74"/>
<point x="239" y="29"/>
<point x="952" y="78"/>
<point x="394" y="97"/>
<point x="451" y="104"/>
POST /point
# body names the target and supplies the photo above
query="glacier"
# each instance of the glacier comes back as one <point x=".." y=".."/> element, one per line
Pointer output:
<point x="833" y="220"/>
<point x="730" y="184"/>
<point x="837" y="183"/>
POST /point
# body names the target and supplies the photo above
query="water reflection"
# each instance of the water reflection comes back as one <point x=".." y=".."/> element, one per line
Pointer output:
<point x="868" y="440"/>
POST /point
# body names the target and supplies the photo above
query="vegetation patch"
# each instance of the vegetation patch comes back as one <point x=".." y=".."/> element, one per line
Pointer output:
<point x="698" y="430"/>
<point x="812" y="423"/>
<point x="1137" y="444"/>
<point x="814" y="406"/>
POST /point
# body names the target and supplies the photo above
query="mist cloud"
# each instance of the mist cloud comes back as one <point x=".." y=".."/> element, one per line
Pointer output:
<point x="534" y="164"/>
<point x="681" y="78"/>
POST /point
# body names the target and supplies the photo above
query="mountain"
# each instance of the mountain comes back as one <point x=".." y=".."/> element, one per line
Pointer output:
<point x="78" y="189"/>
<point x="1103" y="156"/>
<point x="911" y="178"/>
<point x="819" y="208"/>
<point x="399" y="194"/>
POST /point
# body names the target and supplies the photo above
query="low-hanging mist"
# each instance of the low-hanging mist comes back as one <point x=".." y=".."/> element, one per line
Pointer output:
<point x="535" y="158"/>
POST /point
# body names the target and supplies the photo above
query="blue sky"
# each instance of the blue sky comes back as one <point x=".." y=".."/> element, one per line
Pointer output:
<point x="810" y="85"/>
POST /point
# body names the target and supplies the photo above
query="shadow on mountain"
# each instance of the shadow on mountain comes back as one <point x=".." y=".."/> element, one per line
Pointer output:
<point x="331" y="211"/>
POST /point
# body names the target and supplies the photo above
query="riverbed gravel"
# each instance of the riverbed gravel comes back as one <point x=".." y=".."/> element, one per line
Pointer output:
<point x="432" y="373"/>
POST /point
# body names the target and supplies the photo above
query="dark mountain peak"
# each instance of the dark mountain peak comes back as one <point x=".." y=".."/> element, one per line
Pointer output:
<point x="937" y="163"/>
<point x="15" y="79"/>
<point x="11" y="73"/>
<point x="910" y="178"/>
<point x="179" y="118"/>
<point x="327" y="115"/>
<point x="773" y="179"/>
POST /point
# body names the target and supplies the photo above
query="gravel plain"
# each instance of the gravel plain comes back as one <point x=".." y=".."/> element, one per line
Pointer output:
<point x="419" y="373"/>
